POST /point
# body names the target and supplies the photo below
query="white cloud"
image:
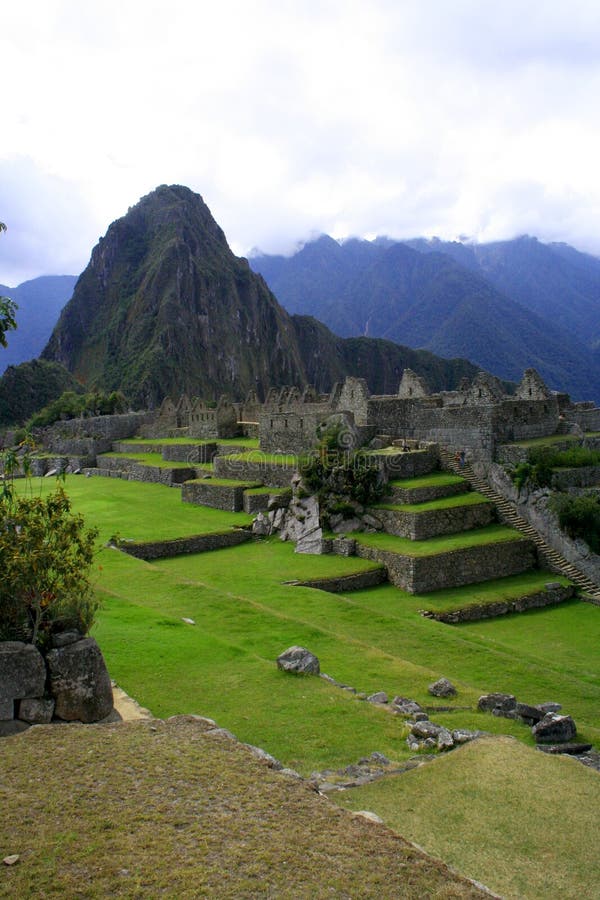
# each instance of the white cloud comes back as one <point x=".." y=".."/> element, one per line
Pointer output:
<point x="396" y="117"/>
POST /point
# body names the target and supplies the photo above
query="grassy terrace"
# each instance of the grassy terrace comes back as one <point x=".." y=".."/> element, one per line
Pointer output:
<point x="226" y="482"/>
<point x="486" y="806"/>
<point x="288" y="460"/>
<point x="472" y="498"/>
<point x="435" y="479"/>
<point x="554" y="439"/>
<point x="265" y="489"/>
<point x="491" y="534"/>
<point x="485" y="592"/>
<point x="155" y="459"/>
<point x="393" y="451"/>
<point x="252" y="443"/>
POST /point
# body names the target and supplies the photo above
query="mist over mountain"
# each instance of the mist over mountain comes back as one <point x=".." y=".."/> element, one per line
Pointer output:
<point x="164" y="307"/>
<point x="506" y="306"/>
<point x="40" y="302"/>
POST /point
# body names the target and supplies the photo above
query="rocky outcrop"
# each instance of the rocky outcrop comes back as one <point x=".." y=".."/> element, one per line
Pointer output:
<point x="79" y="681"/>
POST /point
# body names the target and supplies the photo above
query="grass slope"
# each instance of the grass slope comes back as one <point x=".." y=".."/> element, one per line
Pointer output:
<point x="533" y="844"/>
<point x="168" y="810"/>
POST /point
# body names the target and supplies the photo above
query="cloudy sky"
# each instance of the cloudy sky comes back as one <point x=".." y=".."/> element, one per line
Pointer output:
<point x="397" y="117"/>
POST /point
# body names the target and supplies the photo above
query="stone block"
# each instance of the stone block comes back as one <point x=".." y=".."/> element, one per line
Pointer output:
<point x="299" y="661"/>
<point x="22" y="672"/>
<point x="79" y="682"/>
<point x="554" y="729"/>
<point x="36" y="710"/>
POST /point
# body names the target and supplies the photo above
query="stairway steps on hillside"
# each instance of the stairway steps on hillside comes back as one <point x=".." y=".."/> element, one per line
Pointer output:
<point x="510" y="515"/>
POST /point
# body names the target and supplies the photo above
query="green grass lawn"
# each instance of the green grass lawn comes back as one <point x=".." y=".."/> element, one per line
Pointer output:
<point x="490" y="534"/>
<point x="472" y="498"/>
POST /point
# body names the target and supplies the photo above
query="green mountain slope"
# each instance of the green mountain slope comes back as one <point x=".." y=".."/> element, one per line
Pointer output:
<point x="164" y="307"/>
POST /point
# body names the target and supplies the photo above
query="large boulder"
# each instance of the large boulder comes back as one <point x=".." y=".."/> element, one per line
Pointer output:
<point x="442" y="688"/>
<point x="298" y="660"/>
<point x="554" y="729"/>
<point x="22" y="674"/>
<point x="79" y="682"/>
<point x="498" y="703"/>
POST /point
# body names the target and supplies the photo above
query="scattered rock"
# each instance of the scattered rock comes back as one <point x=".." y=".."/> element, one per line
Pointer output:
<point x="442" y="688"/>
<point x="11" y="860"/>
<point x="530" y="715"/>
<point x="502" y="702"/>
<point x="549" y="707"/>
<point x="554" y="729"/>
<point x="261" y="754"/>
<point x="445" y="741"/>
<point x="187" y="621"/>
<point x="405" y="706"/>
<point x="378" y="697"/>
<point x="299" y="661"/>
<point x="463" y="735"/>
<point x="572" y="749"/>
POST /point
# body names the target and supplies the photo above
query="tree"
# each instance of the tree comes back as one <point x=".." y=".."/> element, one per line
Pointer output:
<point x="8" y="309"/>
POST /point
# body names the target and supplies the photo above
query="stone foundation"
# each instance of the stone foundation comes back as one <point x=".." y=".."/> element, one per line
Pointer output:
<point x="211" y="492"/>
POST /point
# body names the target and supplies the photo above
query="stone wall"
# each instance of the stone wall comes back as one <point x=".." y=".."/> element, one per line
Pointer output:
<point x="129" y="469"/>
<point x="425" y="494"/>
<point x="359" y="581"/>
<point x="252" y="468"/>
<point x="455" y="568"/>
<point x="90" y="436"/>
<point x="212" y="492"/>
<point x="554" y="594"/>
<point x="418" y="526"/>
<point x="533" y="506"/>
<point x="70" y="683"/>
<point x="407" y="465"/>
<point x="198" y="543"/>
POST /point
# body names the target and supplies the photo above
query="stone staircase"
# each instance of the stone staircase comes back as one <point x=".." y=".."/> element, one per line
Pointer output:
<point x="508" y="514"/>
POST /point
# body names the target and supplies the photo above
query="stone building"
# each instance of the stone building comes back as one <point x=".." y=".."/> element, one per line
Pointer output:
<point x="479" y="415"/>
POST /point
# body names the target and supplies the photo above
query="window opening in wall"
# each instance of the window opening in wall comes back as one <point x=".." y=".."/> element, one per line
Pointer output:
<point x="285" y="423"/>
<point x="301" y="423"/>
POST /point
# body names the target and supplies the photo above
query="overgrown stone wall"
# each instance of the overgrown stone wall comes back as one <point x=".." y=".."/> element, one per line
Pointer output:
<point x="554" y="594"/>
<point x="130" y="470"/>
<point x="208" y="492"/>
<point x="425" y="494"/>
<point x="90" y="436"/>
<point x="418" y="526"/>
<point x="453" y="569"/>
<point x="407" y="465"/>
<point x="359" y="581"/>
<point x="252" y="468"/>
<point x="199" y="543"/>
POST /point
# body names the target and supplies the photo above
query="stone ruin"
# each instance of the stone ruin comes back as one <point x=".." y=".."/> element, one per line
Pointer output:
<point x="479" y="415"/>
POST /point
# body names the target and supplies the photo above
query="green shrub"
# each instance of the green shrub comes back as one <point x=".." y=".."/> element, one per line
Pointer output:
<point x="338" y="475"/>
<point x="45" y="557"/>
<point x="579" y="517"/>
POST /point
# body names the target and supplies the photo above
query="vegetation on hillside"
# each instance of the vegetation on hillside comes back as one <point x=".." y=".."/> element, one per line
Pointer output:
<point x="71" y="405"/>
<point x="29" y="387"/>
<point x="579" y="516"/>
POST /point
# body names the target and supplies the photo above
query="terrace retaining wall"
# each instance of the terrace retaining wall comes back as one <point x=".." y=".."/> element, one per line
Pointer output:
<point x="358" y="581"/>
<point x="553" y="595"/>
<point x="426" y="494"/>
<point x="421" y="574"/>
<point x="204" y="492"/>
<point x="254" y="470"/>
<point x="197" y="543"/>
<point x="419" y="526"/>
<point x="129" y="469"/>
